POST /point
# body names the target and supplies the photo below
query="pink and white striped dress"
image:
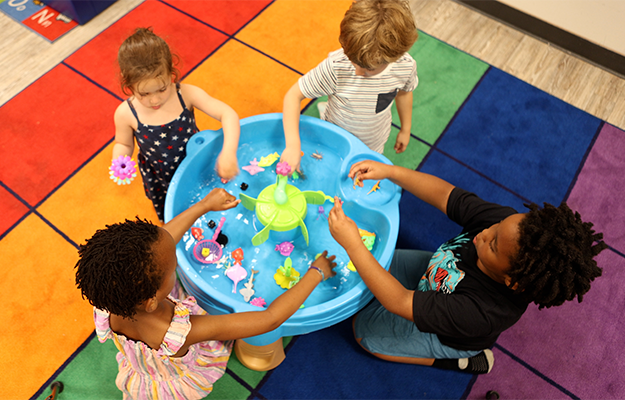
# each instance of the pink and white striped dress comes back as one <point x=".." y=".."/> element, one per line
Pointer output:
<point x="145" y="373"/>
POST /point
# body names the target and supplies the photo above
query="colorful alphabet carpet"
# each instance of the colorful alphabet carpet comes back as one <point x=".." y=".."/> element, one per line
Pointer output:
<point x="40" y="18"/>
<point x="473" y="125"/>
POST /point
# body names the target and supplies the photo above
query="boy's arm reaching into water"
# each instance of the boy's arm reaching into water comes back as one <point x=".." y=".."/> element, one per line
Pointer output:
<point x="388" y="290"/>
<point x="290" y="121"/>
<point x="428" y="188"/>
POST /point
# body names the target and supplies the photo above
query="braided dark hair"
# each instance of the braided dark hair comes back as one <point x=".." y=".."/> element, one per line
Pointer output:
<point x="116" y="269"/>
<point x="555" y="259"/>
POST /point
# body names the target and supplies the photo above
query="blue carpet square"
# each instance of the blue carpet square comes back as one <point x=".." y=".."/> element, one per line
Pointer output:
<point x="423" y="226"/>
<point x="521" y="137"/>
<point x="329" y="364"/>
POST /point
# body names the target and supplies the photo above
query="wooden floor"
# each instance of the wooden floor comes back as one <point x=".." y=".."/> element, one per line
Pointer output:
<point x="25" y="56"/>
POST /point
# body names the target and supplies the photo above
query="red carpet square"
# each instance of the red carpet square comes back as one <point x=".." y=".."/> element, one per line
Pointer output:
<point x="191" y="40"/>
<point x="11" y="210"/>
<point x="50" y="129"/>
<point x="226" y="15"/>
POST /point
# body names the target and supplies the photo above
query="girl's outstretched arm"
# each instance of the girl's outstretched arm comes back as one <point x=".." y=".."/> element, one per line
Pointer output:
<point x="217" y="200"/>
<point x="253" y="323"/>
<point x="227" y="164"/>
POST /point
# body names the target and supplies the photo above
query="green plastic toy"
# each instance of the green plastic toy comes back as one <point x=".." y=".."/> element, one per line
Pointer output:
<point x="282" y="207"/>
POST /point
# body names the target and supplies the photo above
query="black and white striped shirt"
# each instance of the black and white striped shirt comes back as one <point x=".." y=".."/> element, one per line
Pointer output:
<point x="361" y="105"/>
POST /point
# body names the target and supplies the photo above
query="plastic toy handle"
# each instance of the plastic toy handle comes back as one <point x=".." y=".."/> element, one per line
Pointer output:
<point x="221" y="223"/>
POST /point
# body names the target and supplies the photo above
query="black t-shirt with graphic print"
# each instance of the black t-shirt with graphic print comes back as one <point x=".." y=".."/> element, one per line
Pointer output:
<point x="464" y="307"/>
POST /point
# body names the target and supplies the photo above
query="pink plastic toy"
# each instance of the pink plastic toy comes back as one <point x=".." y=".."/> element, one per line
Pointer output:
<point x="258" y="302"/>
<point x="210" y="245"/>
<point x="283" y="168"/>
<point x="123" y="170"/>
<point x="236" y="273"/>
<point x="285" y="248"/>
<point x="253" y="168"/>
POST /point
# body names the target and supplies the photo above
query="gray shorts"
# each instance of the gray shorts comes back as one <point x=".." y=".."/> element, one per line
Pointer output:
<point x="383" y="332"/>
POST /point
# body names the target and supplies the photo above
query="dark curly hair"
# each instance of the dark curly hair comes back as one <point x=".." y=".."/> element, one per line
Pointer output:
<point x="116" y="269"/>
<point x="555" y="258"/>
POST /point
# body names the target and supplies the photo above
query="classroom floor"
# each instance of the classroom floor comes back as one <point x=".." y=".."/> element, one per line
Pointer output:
<point x="475" y="125"/>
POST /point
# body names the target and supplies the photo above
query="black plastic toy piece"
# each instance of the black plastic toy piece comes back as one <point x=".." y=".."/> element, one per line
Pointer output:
<point x="222" y="239"/>
<point x="244" y="186"/>
<point x="211" y="224"/>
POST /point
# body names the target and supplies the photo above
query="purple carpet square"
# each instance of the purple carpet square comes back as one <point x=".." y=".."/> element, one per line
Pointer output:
<point x="512" y="380"/>
<point x="598" y="195"/>
<point x="578" y="345"/>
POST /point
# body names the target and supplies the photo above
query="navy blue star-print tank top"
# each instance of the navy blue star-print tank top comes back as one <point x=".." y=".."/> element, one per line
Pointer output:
<point x="161" y="149"/>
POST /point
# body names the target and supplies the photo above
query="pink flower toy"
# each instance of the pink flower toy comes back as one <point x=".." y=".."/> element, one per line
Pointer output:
<point x="283" y="168"/>
<point x="123" y="170"/>
<point x="258" y="302"/>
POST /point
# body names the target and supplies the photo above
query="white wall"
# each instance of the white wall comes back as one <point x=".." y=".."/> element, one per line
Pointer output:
<point x="599" y="21"/>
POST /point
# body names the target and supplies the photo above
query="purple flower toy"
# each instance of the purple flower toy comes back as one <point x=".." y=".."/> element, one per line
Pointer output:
<point x="123" y="170"/>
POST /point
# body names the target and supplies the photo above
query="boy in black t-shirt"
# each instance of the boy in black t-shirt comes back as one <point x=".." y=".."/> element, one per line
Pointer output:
<point x="446" y="309"/>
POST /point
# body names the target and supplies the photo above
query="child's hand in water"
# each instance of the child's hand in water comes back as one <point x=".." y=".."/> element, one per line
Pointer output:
<point x="293" y="157"/>
<point x="227" y="166"/>
<point x="342" y="228"/>
<point x="326" y="264"/>
<point x="218" y="200"/>
<point x="368" y="169"/>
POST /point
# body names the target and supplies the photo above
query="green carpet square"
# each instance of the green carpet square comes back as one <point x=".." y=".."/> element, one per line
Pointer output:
<point x="90" y="375"/>
<point x="411" y="157"/>
<point x="446" y="78"/>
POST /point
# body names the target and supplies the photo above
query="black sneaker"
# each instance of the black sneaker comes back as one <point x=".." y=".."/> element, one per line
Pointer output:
<point x="479" y="364"/>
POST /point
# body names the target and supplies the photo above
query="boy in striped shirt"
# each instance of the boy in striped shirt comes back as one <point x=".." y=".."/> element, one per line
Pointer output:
<point x="362" y="78"/>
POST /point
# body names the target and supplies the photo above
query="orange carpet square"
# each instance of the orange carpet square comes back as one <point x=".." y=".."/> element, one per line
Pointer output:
<point x="238" y="76"/>
<point x="191" y="40"/>
<point x="226" y="15"/>
<point x="50" y="129"/>
<point x="90" y="200"/>
<point x="44" y="318"/>
<point x="308" y="31"/>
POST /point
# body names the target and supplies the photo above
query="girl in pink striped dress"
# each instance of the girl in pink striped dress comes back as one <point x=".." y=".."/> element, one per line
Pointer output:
<point x="169" y="348"/>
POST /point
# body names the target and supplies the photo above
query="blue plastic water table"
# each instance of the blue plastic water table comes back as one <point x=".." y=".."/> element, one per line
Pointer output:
<point x="329" y="151"/>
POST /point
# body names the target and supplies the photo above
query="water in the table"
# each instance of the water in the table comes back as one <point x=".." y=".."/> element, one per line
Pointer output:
<point x="241" y="225"/>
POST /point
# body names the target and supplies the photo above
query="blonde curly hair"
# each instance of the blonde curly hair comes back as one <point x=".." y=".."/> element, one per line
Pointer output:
<point x="377" y="32"/>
